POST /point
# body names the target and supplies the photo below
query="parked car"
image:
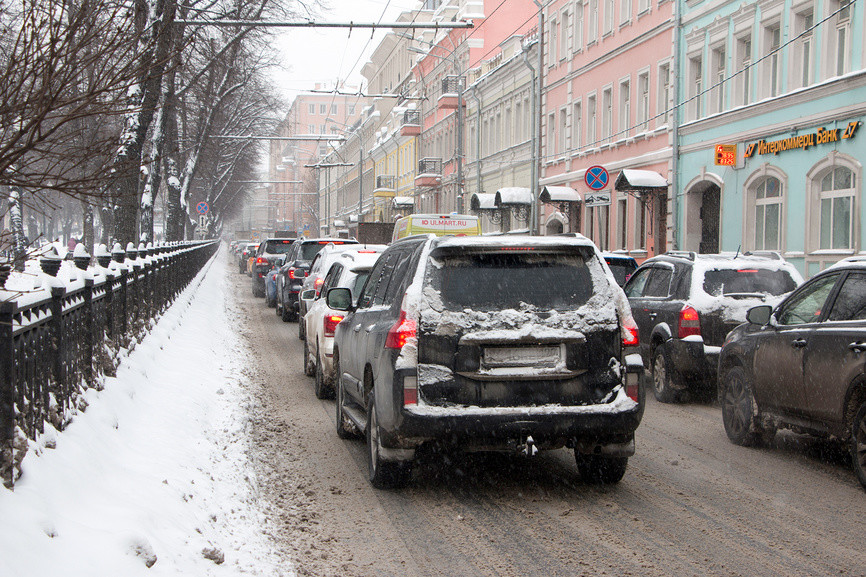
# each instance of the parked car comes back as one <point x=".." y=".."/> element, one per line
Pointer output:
<point x="621" y="265"/>
<point x="686" y="303"/>
<point x="291" y="275"/>
<point x="803" y="365"/>
<point x="349" y="268"/>
<point x="319" y="267"/>
<point x="265" y="259"/>
<point x="271" y="282"/>
<point x="488" y="343"/>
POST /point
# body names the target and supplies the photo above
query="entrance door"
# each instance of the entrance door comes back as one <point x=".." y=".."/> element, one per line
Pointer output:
<point x="710" y="212"/>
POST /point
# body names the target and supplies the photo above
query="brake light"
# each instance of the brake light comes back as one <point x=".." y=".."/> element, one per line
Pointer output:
<point x="331" y="322"/>
<point x="261" y="260"/>
<point x="318" y="284"/>
<point x="410" y="390"/>
<point x="748" y="270"/>
<point x="628" y="330"/>
<point x="403" y="330"/>
<point x="690" y="322"/>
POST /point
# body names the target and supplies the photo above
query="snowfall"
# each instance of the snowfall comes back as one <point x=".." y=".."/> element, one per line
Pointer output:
<point x="154" y="477"/>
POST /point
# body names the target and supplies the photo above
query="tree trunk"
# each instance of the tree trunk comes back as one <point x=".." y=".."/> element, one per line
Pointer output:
<point x="19" y="250"/>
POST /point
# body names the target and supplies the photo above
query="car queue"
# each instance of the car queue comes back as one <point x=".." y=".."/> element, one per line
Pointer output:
<point x="518" y="343"/>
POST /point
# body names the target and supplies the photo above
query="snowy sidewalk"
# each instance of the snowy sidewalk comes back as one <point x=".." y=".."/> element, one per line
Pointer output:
<point x="155" y="471"/>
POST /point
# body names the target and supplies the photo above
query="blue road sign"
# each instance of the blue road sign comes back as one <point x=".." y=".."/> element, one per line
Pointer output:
<point x="202" y="207"/>
<point x="596" y="177"/>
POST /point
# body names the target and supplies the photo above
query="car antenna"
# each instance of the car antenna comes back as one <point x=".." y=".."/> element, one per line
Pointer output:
<point x="738" y="251"/>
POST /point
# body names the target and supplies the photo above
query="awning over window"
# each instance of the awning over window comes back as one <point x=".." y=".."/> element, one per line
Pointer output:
<point x="630" y="179"/>
<point x="556" y="194"/>
<point x="512" y="196"/>
<point x="482" y="201"/>
<point x="403" y="202"/>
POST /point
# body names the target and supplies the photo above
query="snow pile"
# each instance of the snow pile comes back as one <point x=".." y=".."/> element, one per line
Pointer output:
<point x="153" y="479"/>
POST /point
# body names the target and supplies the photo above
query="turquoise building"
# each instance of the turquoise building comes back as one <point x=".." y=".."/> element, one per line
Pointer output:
<point x="770" y="142"/>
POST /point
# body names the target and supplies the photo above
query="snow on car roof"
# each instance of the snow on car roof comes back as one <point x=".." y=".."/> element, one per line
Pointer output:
<point x="496" y="241"/>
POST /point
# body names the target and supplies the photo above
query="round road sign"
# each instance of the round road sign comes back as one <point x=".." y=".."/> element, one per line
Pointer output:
<point x="202" y="207"/>
<point x="596" y="177"/>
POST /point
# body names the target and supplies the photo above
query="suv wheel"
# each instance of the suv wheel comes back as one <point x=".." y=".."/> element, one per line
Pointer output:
<point x="382" y="474"/>
<point x="345" y="427"/>
<point x="858" y="443"/>
<point x="662" y="378"/>
<point x="601" y="470"/>
<point x="323" y="391"/>
<point x="738" y="408"/>
<point x="258" y="291"/>
<point x="309" y="367"/>
<point x="285" y="314"/>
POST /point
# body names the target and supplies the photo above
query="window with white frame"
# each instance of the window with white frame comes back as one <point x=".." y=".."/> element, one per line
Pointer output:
<point x="591" y="120"/>
<point x="803" y="50"/>
<point x="717" y="94"/>
<point x="497" y="134"/>
<point x="608" y="16"/>
<point x="562" y="133"/>
<point x="643" y="6"/>
<point x="766" y="206"/>
<point x="507" y="139"/>
<point x="664" y="97"/>
<point x="518" y="122"/>
<point x="770" y="78"/>
<point x="312" y="109"/>
<point x="841" y="37"/>
<point x="622" y="222"/>
<point x="592" y="30"/>
<point x="624" y="109"/>
<point x="576" y="126"/>
<point x="553" y="43"/>
<point x="323" y="109"/>
<point x="639" y="225"/>
<point x="606" y="113"/>
<point x="836" y="194"/>
<point x="322" y="129"/>
<point x="333" y="109"/>
<point x="312" y="128"/>
<point x="643" y="106"/>
<point x="565" y="22"/>
<point x="551" y="135"/>
<point x="527" y="120"/>
<point x="485" y="138"/>
<point x="351" y="110"/>
<point x="578" y="27"/>
<point x="743" y="71"/>
<point x="695" y="86"/>
<point x="625" y="12"/>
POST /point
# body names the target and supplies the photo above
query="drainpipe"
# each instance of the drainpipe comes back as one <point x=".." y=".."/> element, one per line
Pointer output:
<point x="675" y="146"/>
<point x="536" y="117"/>
<point x="477" y="140"/>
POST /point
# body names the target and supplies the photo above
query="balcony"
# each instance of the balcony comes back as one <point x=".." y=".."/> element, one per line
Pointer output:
<point x="411" y="125"/>
<point x="429" y="172"/>
<point x="385" y="186"/>
<point x="452" y="87"/>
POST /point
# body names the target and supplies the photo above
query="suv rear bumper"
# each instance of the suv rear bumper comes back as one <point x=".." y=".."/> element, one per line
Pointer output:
<point x="692" y="359"/>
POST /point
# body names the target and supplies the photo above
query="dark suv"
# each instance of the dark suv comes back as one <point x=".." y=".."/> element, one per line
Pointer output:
<point x="265" y="260"/>
<point x="291" y="275"/>
<point x="686" y="303"/>
<point x="802" y="366"/>
<point x="488" y="343"/>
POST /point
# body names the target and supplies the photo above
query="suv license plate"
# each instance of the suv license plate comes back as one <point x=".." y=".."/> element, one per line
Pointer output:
<point x="544" y="356"/>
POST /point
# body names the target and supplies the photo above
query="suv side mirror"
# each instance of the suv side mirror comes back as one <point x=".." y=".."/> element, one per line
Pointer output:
<point x="339" y="299"/>
<point x="759" y="315"/>
<point x="308" y="294"/>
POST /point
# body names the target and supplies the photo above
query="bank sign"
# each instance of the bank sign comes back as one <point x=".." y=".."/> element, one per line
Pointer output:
<point x="804" y="141"/>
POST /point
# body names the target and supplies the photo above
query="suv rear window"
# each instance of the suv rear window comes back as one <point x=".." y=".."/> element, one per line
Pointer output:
<point x="278" y="246"/>
<point x="485" y="281"/>
<point x="748" y="280"/>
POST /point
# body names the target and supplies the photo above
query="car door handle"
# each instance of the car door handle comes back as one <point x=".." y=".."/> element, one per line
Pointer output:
<point x="798" y="343"/>
<point x="858" y="347"/>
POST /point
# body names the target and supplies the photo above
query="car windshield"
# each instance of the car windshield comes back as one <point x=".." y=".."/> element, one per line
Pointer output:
<point x="278" y="246"/>
<point x="748" y="279"/>
<point x="488" y="281"/>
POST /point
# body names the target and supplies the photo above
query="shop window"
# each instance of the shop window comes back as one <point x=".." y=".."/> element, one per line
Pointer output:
<point x="835" y="198"/>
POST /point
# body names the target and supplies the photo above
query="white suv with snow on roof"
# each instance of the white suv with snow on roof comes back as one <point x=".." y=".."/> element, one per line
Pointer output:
<point x="488" y="343"/>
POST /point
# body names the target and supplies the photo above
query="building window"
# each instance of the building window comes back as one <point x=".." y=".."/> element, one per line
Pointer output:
<point x="553" y="43"/>
<point x="743" y="80"/>
<point x="608" y="16"/>
<point x="664" y="97"/>
<point x="518" y="122"/>
<point x="643" y="100"/>
<point x="578" y="27"/>
<point x="772" y="62"/>
<point x="323" y="109"/>
<point x="766" y="219"/>
<point x="695" y="87"/>
<point x="551" y="135"/>
<point x="591" y="120"/>
<point x="621" y="222"/>
<point x="624" y="109"/>
<point x="563" y="35"/>
<point x="607" y="113"/>
<point x="803" y="49"/>
<point x="576" y="123"/>
<point x="836" y="208"/>
<point x="506" y="130"/>
<point x="312" y="128"/>
<point x="639" y="225"/>
<point x="322" y="129"/>
<point x="717" y="95"/>
<point x="333" y="109"/>
<point x="841" y="36"/>
<point x="643" y="6"/>
<point x="563" y="131"/>
<point x="625" y="11"/>
<point x="597" y="225"/>
<point x="351" y="111"/>
<point x="592" y="32"/>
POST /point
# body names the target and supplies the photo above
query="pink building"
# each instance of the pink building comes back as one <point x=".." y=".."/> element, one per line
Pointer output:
<point x="606" y="103"/>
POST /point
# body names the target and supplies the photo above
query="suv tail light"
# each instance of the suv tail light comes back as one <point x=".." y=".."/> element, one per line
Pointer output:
<point x="262" y="260"/>
<point x="318" y="284"/>
<point x="410" y="390"/>
<point x="403" y="330"/>
<point x="330" y="324"/>
<point x="690" y="322"/>
<point x="629" y="332"/>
